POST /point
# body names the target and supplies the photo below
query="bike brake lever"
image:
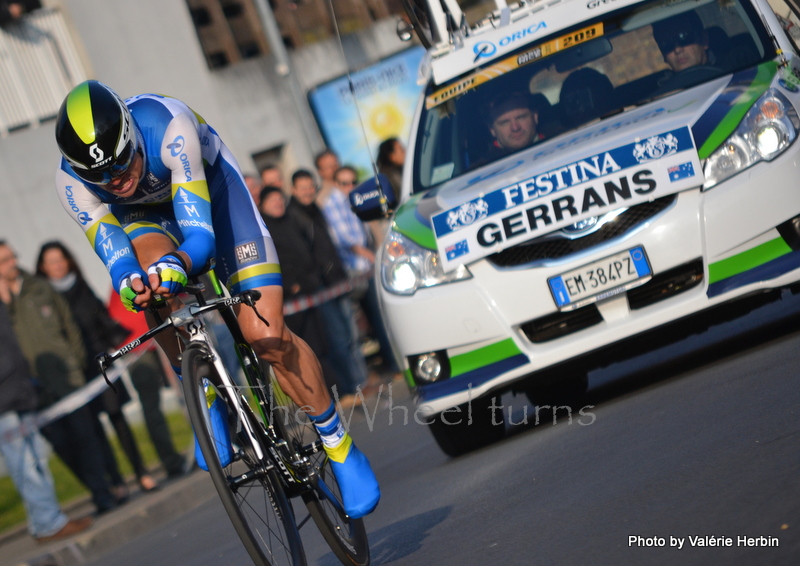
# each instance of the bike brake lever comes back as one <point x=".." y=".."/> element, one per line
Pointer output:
<point x="103" y="362"/>
<point x="249" y="298"/>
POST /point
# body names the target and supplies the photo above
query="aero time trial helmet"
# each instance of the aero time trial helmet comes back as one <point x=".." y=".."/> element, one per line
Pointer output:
<point x="96" y="133"/>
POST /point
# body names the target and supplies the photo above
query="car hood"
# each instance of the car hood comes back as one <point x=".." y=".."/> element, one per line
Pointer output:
<point x="635" y="156"/>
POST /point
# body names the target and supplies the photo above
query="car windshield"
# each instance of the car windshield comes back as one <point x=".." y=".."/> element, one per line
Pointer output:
<point x="579" y="75"/>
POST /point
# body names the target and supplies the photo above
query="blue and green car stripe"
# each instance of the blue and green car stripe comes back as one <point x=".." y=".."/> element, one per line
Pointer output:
<point x="474" y="368"/>
<point x="765" y="261"/>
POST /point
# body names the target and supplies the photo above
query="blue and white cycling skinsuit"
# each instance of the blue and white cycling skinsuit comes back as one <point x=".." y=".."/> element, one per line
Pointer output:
<point x="191" y="190"/>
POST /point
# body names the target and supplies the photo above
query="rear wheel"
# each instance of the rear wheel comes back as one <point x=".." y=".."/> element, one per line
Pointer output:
<point x="346" y="537"/>
<point x="252" y="495"/>
<point x="468" y="427"/>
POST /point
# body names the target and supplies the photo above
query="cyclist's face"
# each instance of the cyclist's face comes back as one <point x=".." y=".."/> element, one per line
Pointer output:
<point x="54" y="264"/>
<point x="125" y="185"/>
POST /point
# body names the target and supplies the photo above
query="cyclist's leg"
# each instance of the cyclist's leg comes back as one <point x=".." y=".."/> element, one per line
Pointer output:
<point x="299" y="374"/>
<point x="246" y="259"/>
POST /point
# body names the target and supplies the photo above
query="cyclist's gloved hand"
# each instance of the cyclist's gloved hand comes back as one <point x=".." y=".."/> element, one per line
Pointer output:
<point x="171" y="271"/>
<point x="127" y="293"/>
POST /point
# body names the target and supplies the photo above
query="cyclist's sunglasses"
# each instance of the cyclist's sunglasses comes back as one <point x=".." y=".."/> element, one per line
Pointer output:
<point x="680" y="39"/>
<point x="116" y="169"/>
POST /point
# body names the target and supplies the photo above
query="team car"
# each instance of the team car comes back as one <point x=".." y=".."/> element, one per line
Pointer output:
<point x="660" y="182"/>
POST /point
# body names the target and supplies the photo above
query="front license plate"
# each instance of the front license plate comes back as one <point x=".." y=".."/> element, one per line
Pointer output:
<point x="600" y="279"/>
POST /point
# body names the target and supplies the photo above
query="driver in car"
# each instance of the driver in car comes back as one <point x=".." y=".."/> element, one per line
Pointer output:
<point x="512" y="123"/>
<point x="683" y="41"/>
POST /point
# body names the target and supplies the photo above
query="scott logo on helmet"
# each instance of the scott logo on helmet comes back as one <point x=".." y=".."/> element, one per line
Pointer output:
<point x="96" y="153"/>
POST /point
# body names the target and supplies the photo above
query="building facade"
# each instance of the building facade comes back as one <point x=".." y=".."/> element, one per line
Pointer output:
<point x="157" y="46"/>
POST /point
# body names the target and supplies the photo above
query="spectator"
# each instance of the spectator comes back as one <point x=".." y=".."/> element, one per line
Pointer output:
<point x="391" y="157"/>
<point x="390" y="160"/>
<point x="23" y="447"/>
<point x="10" y="12"/>
<point x="326" y="162"/>
<point x="148" y="375"/>
<point x="254" y="186"/>
<point x="351" y="239"/>
<point x="51" y="342"/>
<point x="271" y="176"/>
<point x="100" y="333"/>
<point x="337" y="313"/>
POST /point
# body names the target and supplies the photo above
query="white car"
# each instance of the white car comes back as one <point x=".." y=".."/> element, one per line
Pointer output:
<point x="661" y="181"/>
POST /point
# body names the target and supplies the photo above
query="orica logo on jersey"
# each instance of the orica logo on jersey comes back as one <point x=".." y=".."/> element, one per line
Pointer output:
<point x="176" y="147"/>
<point x="84" y="218"/>
<point x="71" y="199"/>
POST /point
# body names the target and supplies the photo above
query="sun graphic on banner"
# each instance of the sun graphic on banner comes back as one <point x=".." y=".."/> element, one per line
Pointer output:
<point x="386" y="120"/>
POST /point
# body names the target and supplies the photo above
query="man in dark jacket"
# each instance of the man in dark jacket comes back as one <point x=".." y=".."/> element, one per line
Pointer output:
<point x="52" y="345"/>
<point x="337" y="314"/>
<point x="21" y="444"/>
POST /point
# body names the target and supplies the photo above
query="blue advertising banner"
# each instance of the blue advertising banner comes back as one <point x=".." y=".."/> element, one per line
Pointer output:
<point x="387" y="95"/>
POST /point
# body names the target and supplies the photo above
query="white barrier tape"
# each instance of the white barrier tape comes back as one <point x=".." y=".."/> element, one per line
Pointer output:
<point x="305" y="302"/>
<point x="74" y="400"/>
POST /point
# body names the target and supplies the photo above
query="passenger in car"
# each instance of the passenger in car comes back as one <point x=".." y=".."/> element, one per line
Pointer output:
<point x="683" y="41"/>
<point x="585" y="95"/>
<point x="513" y="122"/>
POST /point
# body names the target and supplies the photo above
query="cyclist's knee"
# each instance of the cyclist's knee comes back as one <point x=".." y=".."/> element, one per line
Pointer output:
<point x="271" y="343"/>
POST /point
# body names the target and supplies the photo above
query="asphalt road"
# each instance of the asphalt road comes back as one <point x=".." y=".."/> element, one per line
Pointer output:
<point x="698" y="440"/>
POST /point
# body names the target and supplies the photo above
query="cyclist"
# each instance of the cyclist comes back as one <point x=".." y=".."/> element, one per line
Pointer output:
<point x="161" y="198"/>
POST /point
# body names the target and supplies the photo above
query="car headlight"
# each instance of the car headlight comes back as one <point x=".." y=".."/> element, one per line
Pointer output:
<point x="767" y="129"/>
<point x="406" y="267"/>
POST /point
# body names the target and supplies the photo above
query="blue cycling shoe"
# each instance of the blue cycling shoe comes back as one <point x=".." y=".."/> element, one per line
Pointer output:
<point x="357" y="481"/>
<point x="220" y="432"/>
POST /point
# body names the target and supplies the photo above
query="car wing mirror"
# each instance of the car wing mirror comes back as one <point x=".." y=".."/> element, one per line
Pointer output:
<point x="373" y="199"/>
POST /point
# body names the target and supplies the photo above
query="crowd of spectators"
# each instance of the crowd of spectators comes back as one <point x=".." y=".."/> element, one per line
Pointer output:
<point x="51" y="327"/>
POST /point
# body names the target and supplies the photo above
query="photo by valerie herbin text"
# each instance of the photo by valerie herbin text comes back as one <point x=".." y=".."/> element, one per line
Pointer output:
<point x="702" y="541"/>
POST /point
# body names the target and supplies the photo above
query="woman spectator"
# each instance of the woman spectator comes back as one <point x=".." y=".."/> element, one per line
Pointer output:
<point x="100" y="333"/>
<point x="391" y="157"/>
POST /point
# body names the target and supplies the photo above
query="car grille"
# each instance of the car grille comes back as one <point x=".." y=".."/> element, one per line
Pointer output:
<point x="561" y="323"/>
<point x="548" y="247"/>
<point x="667" y="284"/>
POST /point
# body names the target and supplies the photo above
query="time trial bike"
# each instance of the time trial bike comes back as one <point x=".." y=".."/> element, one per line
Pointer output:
<point x="277" y="454"/>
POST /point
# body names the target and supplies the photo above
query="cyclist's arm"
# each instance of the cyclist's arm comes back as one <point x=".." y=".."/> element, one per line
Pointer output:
<point x="181" y="153"/>
<point x="103" y="230"/>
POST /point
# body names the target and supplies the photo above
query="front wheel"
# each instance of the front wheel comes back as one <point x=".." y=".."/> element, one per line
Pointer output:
<point x="250" y="491"/>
